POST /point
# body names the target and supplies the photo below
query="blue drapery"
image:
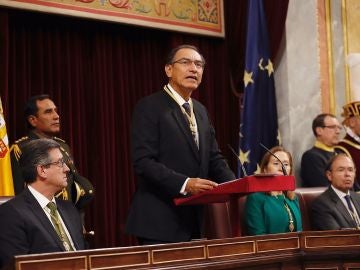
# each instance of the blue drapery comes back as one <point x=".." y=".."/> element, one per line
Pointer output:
<point x="259" y="116"/>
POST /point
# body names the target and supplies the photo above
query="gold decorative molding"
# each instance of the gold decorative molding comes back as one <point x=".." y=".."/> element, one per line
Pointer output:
<point x="323" y="49"/>
<point x="346" y="51"/>
<point x="331" y="241"/>
<point x="329" y="39"/>
<point x="48" y="262"/>
<point x="280" y="243"/>
<point x="351" y="36"/>
<point x="123" y="259"/>
<point x="159" y="256"/>
<point x="230" y="249"/>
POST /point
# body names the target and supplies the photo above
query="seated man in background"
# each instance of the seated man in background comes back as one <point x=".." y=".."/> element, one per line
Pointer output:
<point x="274" y="211"/>
<point x="43" y="121"/>
<point x="35" y="221"/>
<point x="338" y="207"/>
<point x="351" y="143"/>
<point x="326" y="129"/>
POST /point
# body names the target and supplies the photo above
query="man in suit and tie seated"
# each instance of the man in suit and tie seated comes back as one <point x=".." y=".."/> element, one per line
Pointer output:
<point x="35" y="221"/>
<point x="43" y="121"/>
<point x="338" y="207"/>
<point x="175" y="153"/>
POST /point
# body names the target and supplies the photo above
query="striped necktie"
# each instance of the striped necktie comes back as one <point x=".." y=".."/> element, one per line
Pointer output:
<point x="186" y="106"/>
<point x="352" y="210"/>
<point x="187" y="109"/>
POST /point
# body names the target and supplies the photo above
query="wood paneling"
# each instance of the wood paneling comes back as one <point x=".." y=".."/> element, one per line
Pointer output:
<point x="291" y="251"/>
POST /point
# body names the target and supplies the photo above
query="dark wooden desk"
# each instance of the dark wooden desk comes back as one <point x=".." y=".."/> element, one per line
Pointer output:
<point x="307" y="250"/>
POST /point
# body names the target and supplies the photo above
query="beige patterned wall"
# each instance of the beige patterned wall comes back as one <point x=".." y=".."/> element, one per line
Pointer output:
<point x="205" y="17"/>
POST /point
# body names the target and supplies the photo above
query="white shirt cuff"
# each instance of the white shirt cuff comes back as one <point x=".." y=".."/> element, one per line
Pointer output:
<point x="182" y="190"/>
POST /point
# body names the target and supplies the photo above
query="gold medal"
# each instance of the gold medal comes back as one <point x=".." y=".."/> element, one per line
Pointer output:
<point x="66" y="246"/>
<point x="291" y="226"/>
<point x="291" y="219"/>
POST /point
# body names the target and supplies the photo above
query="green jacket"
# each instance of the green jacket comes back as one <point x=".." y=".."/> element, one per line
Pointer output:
<point x="266" y="214"/>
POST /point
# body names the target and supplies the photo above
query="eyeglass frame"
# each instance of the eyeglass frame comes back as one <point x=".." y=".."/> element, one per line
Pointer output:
<point x="199" y="64"/>
<point x="60" y="163"/>
<point x="333" y="127"/>
<point x="343" y="169"/>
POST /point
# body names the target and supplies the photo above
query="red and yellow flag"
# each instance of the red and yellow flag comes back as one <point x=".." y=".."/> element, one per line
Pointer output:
<point x="6" y="181"/>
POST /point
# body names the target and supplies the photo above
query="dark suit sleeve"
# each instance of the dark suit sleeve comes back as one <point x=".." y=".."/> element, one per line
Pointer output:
<point x="313" y="171"/>
<point x="148" y="145"/>
<point x="13" y="238"/>
<point x="322" y="216"/>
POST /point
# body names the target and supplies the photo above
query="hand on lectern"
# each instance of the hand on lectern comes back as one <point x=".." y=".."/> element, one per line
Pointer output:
<point x="197" y="185"/>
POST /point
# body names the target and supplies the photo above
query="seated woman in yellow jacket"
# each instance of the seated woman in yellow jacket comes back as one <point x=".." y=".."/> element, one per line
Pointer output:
<point x="275" y="211"/>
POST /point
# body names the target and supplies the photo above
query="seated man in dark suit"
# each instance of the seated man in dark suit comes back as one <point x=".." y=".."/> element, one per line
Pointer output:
<point x="326" y="129"/>
<point x="338" y="207"/>
<point x="35" y="221"/>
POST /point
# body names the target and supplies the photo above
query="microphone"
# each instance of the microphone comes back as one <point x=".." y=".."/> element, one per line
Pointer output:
<point x="242" y="166"/>
<point x="271" y="153"/>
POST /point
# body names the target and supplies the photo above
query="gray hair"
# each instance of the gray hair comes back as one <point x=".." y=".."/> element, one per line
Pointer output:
<point x="35" y="153"/>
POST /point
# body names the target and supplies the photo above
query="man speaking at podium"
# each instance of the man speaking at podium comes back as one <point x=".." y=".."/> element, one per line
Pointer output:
<point x="174" y="153"/>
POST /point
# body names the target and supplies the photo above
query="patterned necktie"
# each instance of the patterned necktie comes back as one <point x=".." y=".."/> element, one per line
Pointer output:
<point x="352" y="210"/>
<point x="187" y="108"/>
<point x="59" y="227"/>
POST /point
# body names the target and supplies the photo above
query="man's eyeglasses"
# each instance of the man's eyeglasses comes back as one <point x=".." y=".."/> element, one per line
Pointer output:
<point x="343" y="169"/>
<point x="187" y="63"/>
<point x="333" y="127"/>
<point x="60" y="163"/>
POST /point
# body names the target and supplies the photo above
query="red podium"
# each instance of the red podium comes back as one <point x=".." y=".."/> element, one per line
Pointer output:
<point x="239" y="187"/>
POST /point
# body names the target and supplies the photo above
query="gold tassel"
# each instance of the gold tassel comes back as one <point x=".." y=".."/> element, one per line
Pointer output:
<point x="17" y="151"/>
<point x="63" y="194"/>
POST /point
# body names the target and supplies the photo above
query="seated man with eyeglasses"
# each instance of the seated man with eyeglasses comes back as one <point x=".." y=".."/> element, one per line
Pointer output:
<point x="350" y="144"/>
<point x="338" y="207"/>
<point x="35" y="221"/>
<point x="326" y="129"/>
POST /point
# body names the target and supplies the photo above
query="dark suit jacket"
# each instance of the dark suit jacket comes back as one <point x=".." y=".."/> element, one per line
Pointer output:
<point x="329" y="212"/>
<point x="25" y="228"/>
<point x="313" y="164"/>
<point x="164" y="155"/>
<point x="351" y="147"/>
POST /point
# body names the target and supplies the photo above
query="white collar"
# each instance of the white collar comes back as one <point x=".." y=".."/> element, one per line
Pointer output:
<point x="352" y="134"/>
<point x="179" y="99"/>
<point x="42" y="200"/>
<point x="340" y="193"/>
